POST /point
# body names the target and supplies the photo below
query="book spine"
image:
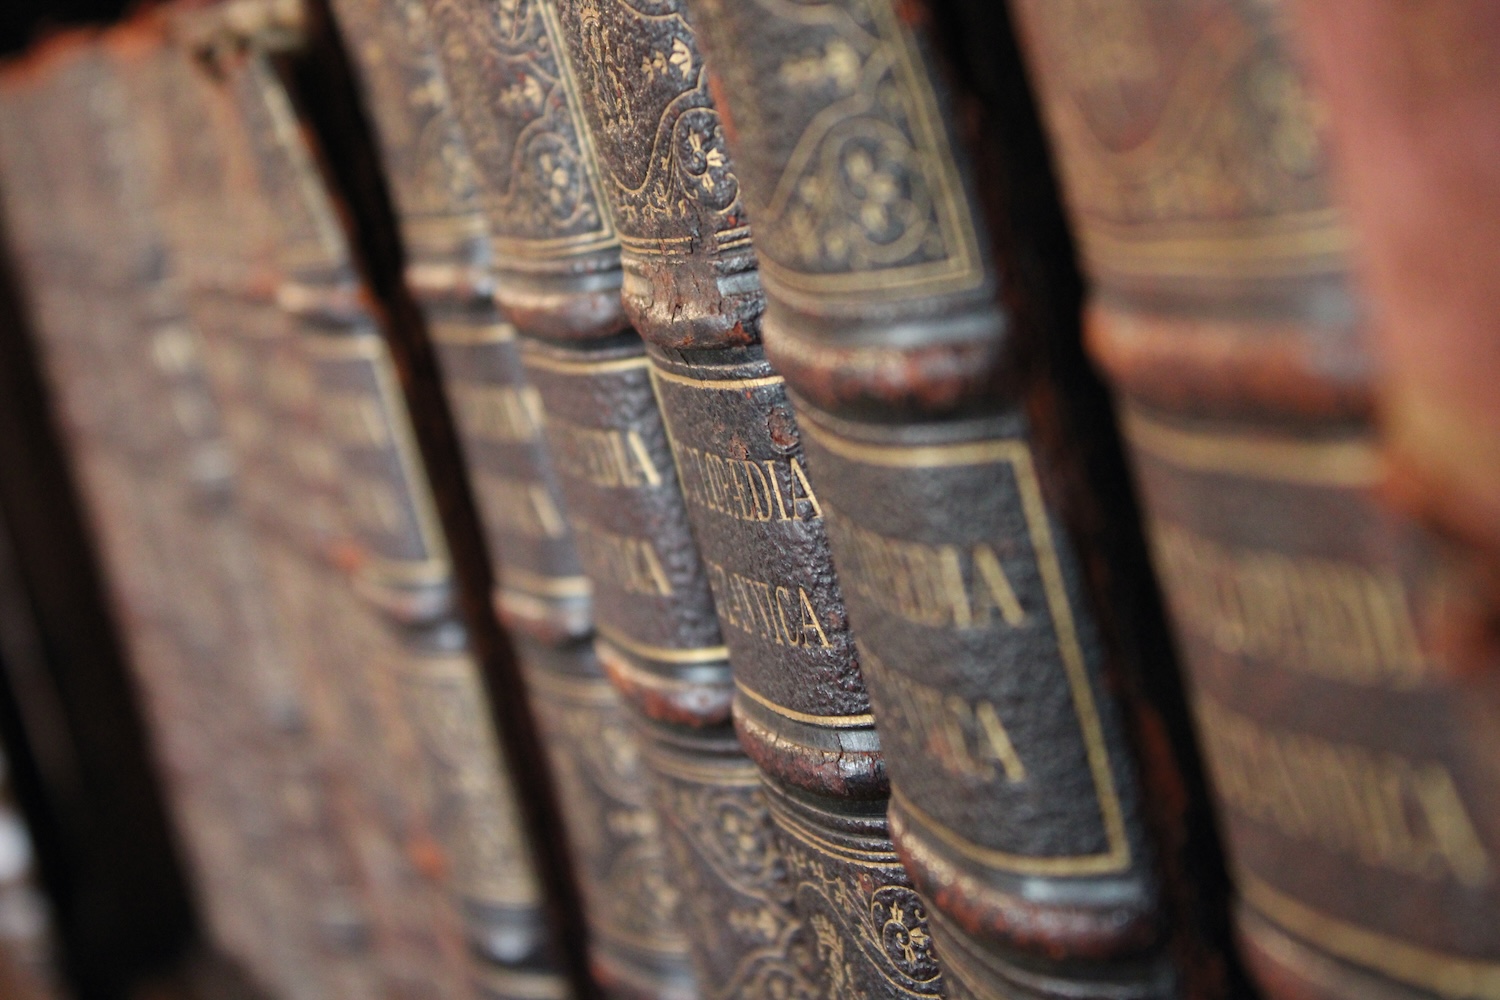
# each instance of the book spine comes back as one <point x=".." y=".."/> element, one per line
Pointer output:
<point x="540" y="590"/>
<point x="1015" y="800"/>
<point x="150" y="459"/>
<point x="658" y="635"/>
<point x="399" y="558"/>
<point x="318" y="679"/>
<point x="1349" y="769"/>
<point x="135" y="449"/>
<point x="1388" y="102"/>
<point x="692" y="291"/>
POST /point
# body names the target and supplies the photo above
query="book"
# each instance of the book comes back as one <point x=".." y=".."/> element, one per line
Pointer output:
<point x="898" y="311"/>
<point x="398" y="553"/>
<point x="1345" y="752"/>
<point x="558" y="279"/>
<point x="692" y="292"/>
<point x="1424" y="270"/>
<point x="540" y="591"/>
<point x="156" y="512"/>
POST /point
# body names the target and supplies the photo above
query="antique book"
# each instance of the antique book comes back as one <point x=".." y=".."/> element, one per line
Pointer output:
<point x="1408" y="92"/>
<point x="1352" y="761"/>
<point x="396" y="550"/>
<point x="558" y="278"/>
<point x="899" y="311"/>
<point x="692" y="292"/>
<point x="540" y="591"/>
<point x="325" y="649"/>
<point x="147" y="448"/>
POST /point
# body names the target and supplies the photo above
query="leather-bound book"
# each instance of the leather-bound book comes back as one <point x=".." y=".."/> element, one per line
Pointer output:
<point x="383" y="926"/>
<point x="1016" y="801"/>
<point x="540" y="590"/>
<point x="1408" y="91"/>
<point x="692" y="291"/>
<point x="153" y="465"/>
<point x="557" y="267"/>
<point x="398" y="552"/>
<point x="1352" y="759"/>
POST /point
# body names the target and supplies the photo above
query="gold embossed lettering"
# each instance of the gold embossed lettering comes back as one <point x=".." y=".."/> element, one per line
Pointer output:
<point x="781" y="614"/>
<point x="498" y="412"/>
<point x="526" y="508"/>
<point x="629" y="563"/>
<point x="744" y="489"/>
<point x="940" y="586"/>
<point x="1329" y="617"/>
<point x="1389" y="812"/>
<point x="806" y="495"/>
<point x="967" y="738"/>
<point x="604" y="457"/>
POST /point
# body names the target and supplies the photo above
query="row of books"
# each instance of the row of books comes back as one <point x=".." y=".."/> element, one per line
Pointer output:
<point x="614" y="497"/>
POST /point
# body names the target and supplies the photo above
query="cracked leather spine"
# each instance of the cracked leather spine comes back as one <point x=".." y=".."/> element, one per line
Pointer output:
<point x="148" y="455"/>
<point x="837" y="900"/>
<point x="1354" y="777"/>
<point x="144" y="405"/>
<point x="333" y="643"/>
<point x="398" y="555"/>
<point x="541" y="592"/>
<point x="1016" y="801"/>
<point x="559" y="278"/>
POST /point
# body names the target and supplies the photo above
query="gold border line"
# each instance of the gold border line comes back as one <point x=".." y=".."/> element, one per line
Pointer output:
<point x="754" y="382"/>
<point x="1351" y="464"/>
<point x="531" y="359"/>
<point x="1070" y="651"/>
<point x="917" y="456"/>
<point x="662" y="654"/>
<point x="455" y="334"/>
<point x="832" y="721"/>
<point x="1020" y="864"/>
<point x="1449" y="975"/>
<point x="1286" y="248"/>
<point x="532" y="584"/>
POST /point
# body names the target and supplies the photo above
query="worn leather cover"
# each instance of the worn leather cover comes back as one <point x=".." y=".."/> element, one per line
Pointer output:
<point x="1015" y="800"/>
<point x="1353" y="764"/>
<point x="692" y="291"/>
<point x="541" y="592"/>
<point x="333" y="644"/>
<point x="658" y="633"/>
<point x="1408" y="89"/>
<point x="190" y="590"/>
<point x="398" y="554"/>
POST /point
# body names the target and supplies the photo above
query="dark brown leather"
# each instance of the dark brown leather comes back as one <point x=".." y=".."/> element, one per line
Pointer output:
<point x="399" y="558"/>
<point x="1015" y="801"/>
<point x="801" y="712"/>
<point x="196" y="600"/>
<point x="1355" y="772"/>
<point x="541" y="592"/>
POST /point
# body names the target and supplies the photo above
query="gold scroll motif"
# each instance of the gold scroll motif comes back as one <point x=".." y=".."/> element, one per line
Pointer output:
<point x="730" y="870"/>
<point x="1192" y="146"/>
<point x="885" y="922"/>
<point x="867" y="200"/>
<point x="600" y="774"/>
<point x="517" y="107"/>
<point x="475" y="805"/>
<point x="433" y="180"/>
<point x="657" y="89"/>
